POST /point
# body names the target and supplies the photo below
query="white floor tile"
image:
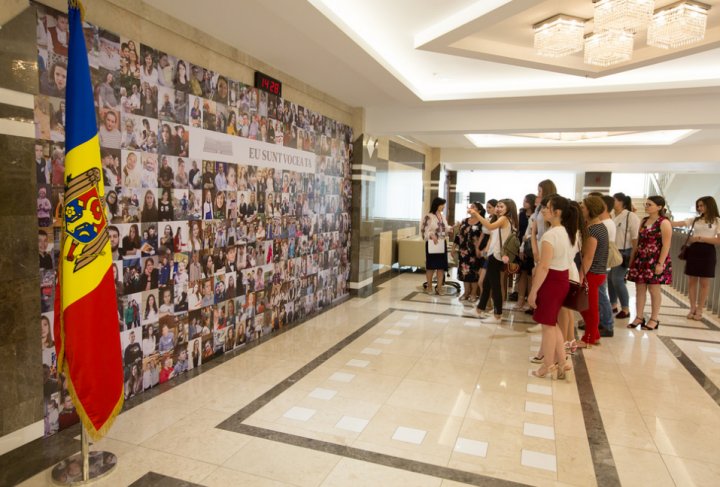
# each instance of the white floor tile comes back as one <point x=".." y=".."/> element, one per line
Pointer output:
<point x="409" y="435"/>
<point x="371" y="351"/>
<point x="539" y="460"/>
<point x="411" y="317"/>
<point x="300" y="414"/>
<point x="536" y="338"/>
<point x="538" y="407"/>
<point x="325" y="394"/>
<point x="716" y="359"/>
<point x="403" y="324"/>
<point x="342" y="377"/>
<point x="441" y="320"/>
<point x="536" y="389"/>
<point x="471" y="447"/>
<point x="358" y="363"/>
<point x="539" y="431"/>
<point x="473" y="324"/>
<point x="383" y="341"/>
<point x="534" y="348"/>
<point x="710" y="349"/>
<point x="393" y="331"/>
<point x="352" y="424"/>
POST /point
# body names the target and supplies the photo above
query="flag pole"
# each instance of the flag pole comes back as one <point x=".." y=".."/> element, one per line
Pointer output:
<point x="85" y="451"/>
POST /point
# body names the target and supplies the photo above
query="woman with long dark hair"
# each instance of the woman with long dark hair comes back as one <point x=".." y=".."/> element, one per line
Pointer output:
<point x="700" y="256"/>
<point x="433" y="229"/>
<point x="628" y="226"/>
<point x="506" y="223"/>
<point x="468" y="242"/>
<point x="527" y="263"/>
<point x="551" y="281"/>
<point x="650" y="265"/>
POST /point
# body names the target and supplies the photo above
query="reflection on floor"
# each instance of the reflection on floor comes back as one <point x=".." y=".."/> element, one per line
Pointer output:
<point x="401" y="388"/>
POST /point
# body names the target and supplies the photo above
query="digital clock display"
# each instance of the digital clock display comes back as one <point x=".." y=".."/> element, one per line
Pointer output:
<point x="266" y="83"/>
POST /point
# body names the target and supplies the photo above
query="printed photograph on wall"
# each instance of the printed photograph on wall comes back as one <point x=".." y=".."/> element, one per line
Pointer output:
<point x="210" y="253"/>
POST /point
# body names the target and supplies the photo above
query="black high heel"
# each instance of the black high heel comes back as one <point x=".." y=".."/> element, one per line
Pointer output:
<point x="645" y="327"/>
<point x="635" y="325"/>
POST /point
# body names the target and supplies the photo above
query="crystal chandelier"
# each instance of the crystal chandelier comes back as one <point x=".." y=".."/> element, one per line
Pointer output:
<point x="559" y="36"/>
<point x="631" y="15"/>
<point x="677" y="25"/>
<point x="608" y="47"/>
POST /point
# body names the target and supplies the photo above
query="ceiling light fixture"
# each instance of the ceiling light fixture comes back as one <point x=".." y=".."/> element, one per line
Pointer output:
<point x="559" y="35"/>
<point x="608" y="47"/>
<point x="679" y="24"/>
<point x="631" y="15"/>
<point x="615" y="24"/>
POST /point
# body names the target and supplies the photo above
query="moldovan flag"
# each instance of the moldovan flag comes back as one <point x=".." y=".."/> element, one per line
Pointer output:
<point x="86" y="318"/>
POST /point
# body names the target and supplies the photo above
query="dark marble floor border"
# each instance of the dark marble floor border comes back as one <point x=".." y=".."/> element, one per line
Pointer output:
<point x="604" y="465"/>
<point x="31" y="458"/>
<point x="606" y="472"/>
<point x="154" y="479"/>
<point x="705" y="382"/>
<point x="415" y="466"/>
<point x="712" y="326"/>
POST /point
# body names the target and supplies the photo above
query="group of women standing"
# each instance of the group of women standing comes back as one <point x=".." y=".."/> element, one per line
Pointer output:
<point x="572" y="242"/>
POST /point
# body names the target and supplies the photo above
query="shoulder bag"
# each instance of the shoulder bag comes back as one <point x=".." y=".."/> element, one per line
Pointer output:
<point x="682" y="255"/>
<point x="626" y="257"/>
<point x="511" y="267"/>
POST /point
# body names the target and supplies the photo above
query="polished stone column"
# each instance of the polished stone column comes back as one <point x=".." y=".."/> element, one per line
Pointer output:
<point x="451" y="192"/>
<point x="362" y="250"/>
<point x="21" y="374"/>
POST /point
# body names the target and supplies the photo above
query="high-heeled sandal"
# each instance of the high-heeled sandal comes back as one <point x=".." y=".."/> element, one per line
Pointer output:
<point x="561" y="371"/>
<point x="635" y="323"/>
<point x="543" y="371"/>
<point x="697" y="317"/>
<point x="584" y="344"/>
<point x="645" y="327"/>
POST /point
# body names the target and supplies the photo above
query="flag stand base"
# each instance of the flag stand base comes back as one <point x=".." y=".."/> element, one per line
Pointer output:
<point x="84" y="467"/>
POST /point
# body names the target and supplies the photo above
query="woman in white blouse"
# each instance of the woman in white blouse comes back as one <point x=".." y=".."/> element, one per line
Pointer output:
<point x="433" y="229"/>
<point x="701" y="256"/>
<point x="627" y="226"/>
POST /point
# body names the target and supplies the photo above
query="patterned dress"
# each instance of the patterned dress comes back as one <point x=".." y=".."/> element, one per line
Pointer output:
<point x="469" y="264"/>
<point x="649" y="247"/>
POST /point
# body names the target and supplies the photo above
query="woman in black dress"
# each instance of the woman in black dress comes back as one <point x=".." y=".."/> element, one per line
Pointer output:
<point x="701" y="256"/>
<point x="468" y="242"/>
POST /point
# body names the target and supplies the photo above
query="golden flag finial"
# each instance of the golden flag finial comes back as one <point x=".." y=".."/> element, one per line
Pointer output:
<point x="77" y="4"/>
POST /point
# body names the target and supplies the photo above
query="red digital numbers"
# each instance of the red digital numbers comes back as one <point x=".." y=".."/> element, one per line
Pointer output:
<point x="268" y="84"/>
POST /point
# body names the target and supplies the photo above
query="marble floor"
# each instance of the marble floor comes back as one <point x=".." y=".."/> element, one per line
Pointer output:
<point x="401" y="388"/>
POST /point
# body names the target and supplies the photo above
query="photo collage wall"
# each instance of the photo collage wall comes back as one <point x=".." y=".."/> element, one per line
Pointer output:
<point x="208" y="255"/>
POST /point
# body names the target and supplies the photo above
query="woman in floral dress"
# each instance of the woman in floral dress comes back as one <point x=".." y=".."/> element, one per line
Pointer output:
<point x="650" y="264"/>
<point x="468" y="242"/>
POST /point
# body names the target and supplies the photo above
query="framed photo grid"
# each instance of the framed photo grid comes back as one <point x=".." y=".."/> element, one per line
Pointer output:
<point x="207" y="255"/>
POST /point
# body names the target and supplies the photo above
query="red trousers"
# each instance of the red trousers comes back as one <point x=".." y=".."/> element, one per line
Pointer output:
<point x="592" y="314"/>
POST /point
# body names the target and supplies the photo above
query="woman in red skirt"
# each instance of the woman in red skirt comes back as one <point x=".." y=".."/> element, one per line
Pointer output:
<point x="551" y="281"/>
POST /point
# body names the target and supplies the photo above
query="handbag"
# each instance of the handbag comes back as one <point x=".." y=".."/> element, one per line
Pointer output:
<point x="510" y="267"/>
<point x="615" y="258"/>
<point x="577" y="296"/>
<point x="682" y="255"/>
<point x="626" y="257"/>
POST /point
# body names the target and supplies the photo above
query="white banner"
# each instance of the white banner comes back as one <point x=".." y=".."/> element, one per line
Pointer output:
<point x="216" y="146"/>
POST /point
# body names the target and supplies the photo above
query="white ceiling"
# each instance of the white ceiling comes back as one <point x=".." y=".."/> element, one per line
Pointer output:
<point x="363" y="53"/>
